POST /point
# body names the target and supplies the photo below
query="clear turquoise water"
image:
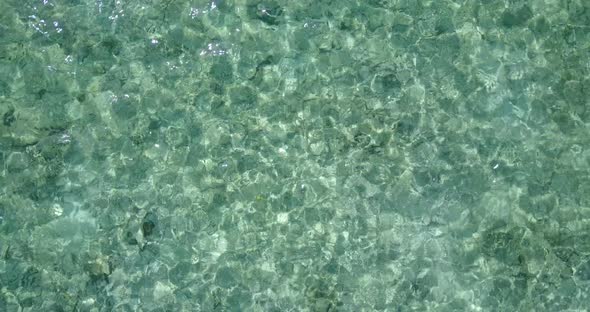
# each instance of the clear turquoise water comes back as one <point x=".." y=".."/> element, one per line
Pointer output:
<point x="294" y="155"/>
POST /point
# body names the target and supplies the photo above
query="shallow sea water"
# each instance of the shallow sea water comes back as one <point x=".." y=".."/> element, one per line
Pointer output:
<point x="306" y="155"/>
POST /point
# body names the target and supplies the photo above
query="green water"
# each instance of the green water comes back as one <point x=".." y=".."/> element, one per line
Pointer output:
<point x="307" y="155"/>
